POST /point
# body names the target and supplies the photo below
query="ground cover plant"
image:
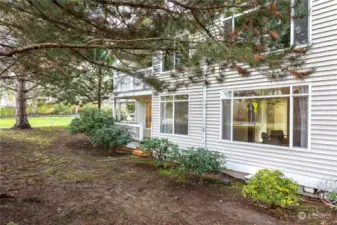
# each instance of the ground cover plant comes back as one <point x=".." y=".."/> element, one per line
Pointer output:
<point x="272" y="188"/>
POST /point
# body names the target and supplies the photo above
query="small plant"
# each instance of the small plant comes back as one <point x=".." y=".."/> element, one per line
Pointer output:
<point x="89" y="121"/>
<point x="161" y="149"/>
<point x="271" y="188"/>
<point x="199" y="161"/>
<point x="112" y="137"/>
<point x="328" y="193"/>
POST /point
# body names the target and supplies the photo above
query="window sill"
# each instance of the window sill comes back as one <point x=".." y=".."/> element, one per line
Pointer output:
<point x="266" y="145"/>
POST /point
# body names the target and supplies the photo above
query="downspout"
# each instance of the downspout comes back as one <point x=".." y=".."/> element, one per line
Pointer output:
<point x="204" y="102"/>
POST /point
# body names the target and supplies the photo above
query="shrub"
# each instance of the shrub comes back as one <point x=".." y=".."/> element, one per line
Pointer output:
<point x="112" y="137"/>
<point x="161" y="149"/>
<point x="271" y="188"/>
<point x="61" y="109"/>
<point x="89" y="121"/>
<point x="199" y="161"/>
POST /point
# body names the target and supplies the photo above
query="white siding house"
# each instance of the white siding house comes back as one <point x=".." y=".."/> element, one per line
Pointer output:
<point x="304" y="111"/>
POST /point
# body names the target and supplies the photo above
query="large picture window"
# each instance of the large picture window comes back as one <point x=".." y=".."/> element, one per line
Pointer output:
<point x="127" y="111"/>
<point x="174" y="114"/>
<point x="277" y="116"/>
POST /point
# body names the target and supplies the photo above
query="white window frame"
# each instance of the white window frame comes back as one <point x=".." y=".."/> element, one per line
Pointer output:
<point x="291" y="119"/>
<point x="173" y="113"/>
<point x="292" y="24"/>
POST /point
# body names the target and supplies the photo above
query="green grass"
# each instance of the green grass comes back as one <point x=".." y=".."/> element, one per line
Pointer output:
<point x="49" y="121"/>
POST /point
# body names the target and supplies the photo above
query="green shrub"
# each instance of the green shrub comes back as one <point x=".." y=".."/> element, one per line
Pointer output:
<point x="112" y="137"/>
<point x="271" y="188"/>
<point x="200" y="161"/>
<point x="87" y="107"/>
<point x="7" y="112"/>
<point x="89" y="121"/>
<point x="161" y="149"/>
<point x="61" y="109"/>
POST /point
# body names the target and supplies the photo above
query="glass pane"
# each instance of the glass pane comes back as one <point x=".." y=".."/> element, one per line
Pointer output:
<point x="228" y="27"/>
<point x="262" y="120"/>
<point x="181" y="97"/>
<point x="300" y="90"/>
<point x="181" y="118"/>
<point x="168" y="61"/>
<point x="301" y="35"/>
<point x="262" y="92"/>
<point x="182" y="54"/>
<point x="226" y="119"/>
<point x="127" y="111"/>
<point x="225" y="94"/>
<point x="300" y="117"/>
<point x="166" y="98"/>
<point x="166" y="116"/>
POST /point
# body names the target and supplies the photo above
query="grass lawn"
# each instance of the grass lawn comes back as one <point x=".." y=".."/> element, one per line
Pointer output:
<point x="49" y="121"/>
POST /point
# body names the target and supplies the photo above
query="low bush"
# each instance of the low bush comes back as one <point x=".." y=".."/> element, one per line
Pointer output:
<point x="89" y="121"/>
<point x="61" y="109"/>
<point x="199" y="161"/>
<point x="112" y="137"/>
<point x="271" y="188"/>
<point x="100" y="128"/>
<point x="161" y="149"/>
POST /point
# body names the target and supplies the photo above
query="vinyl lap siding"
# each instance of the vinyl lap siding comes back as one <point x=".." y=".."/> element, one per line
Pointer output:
<point x="321" y="160"/>
<point x="318" y="162"/>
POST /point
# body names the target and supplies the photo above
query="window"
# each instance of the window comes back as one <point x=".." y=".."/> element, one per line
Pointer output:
<point x="127" y="111"/>
<point x="300" y="27"/>
<point x="174" y="114"/>
<point x="174" y="60"/>
<point x="298" y="32"/>
<point x="264" y="116"/>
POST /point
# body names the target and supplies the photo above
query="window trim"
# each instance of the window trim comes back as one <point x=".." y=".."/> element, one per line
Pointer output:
<point x="290" y="95"/>
<point x="173" y="114"/>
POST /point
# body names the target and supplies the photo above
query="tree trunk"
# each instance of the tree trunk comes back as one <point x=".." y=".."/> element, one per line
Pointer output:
<point x="99" y="97"/>
<point x="21" y="114"/>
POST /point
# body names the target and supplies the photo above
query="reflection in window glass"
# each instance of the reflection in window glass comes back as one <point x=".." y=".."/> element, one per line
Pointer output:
<point x="226" y="119"/>
<point x="127" y="111"/>
<point x="228" y="27"/>
<point x="301" y="26"/>
<point x="166" y="117"/>
<point x="168" y="61"/>
<point x="181" y="118"/>
<point x="181" y="97"/>
<point x="300" y="90"/>
<point x="166" y="98"/>
<point x="261" y="120"/>
<point x="263" y="92"/>
<point x="300" y="122"/>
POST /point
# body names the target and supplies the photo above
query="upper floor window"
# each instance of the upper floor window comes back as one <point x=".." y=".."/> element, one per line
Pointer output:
<point x="174" y="60"/>
<point x="277" y="116"/>
<point x="298" y="32"/>
<point x="174" y="114"/>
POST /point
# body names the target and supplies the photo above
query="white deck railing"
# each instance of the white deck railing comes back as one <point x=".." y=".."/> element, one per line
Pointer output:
<point x="136" y="130"/>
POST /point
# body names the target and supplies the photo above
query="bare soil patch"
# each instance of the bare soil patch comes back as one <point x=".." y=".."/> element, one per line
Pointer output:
<point x="49" y="177"/>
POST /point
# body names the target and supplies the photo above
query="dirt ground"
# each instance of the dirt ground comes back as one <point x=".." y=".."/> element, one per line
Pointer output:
<point x="49" y="177"/>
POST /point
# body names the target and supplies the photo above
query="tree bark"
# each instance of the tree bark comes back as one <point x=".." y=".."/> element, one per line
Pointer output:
<point x="99" y="96"/>
<point x="21" y="119"/>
